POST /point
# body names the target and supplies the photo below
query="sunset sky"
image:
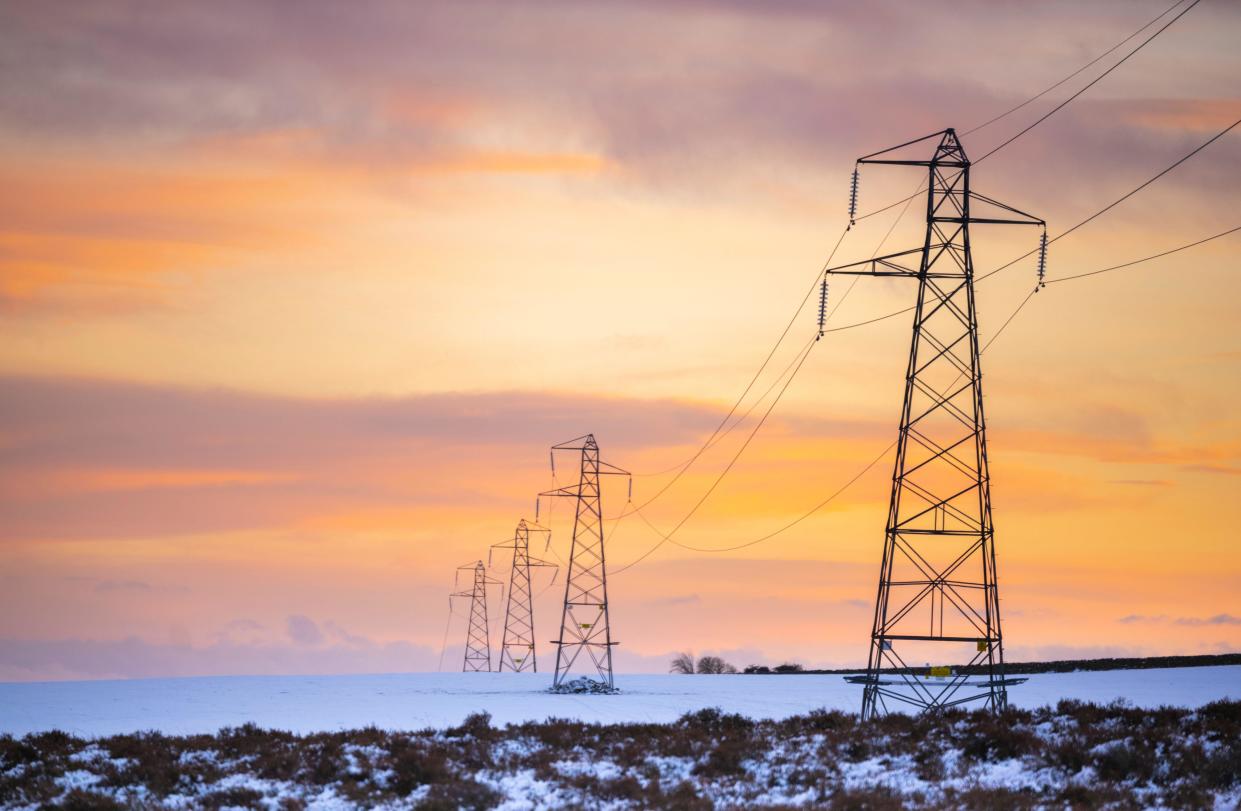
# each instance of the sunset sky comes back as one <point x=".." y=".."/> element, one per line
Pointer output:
<point x="295" y="297"/>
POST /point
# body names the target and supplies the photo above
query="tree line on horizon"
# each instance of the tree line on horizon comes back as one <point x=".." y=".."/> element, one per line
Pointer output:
<point x="684" y="664"/>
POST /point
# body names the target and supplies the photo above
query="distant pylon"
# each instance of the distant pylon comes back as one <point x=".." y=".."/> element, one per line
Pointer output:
<point x="477" y="636"/>
<point x="938" y="598"/>
<point x="517" y="645"/>
<point x="584" y="622"/>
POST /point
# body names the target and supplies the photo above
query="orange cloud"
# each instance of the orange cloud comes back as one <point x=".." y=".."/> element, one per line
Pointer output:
<point x="536" y="163"/>
<point x="42" y="483"/>
<point x="1194" y="115"/>
<point x="101" y="234"/>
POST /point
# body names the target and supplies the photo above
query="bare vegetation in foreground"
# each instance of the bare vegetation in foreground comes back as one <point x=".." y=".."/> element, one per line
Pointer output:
<point x="1073" y="755"/>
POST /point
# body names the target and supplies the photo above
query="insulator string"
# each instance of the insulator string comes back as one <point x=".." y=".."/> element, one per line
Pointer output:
<point x="853" y="197"/>
<point x="1042" y="260"/>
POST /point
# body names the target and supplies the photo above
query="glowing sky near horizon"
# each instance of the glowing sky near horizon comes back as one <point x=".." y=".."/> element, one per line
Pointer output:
<point x="295" y="298"/>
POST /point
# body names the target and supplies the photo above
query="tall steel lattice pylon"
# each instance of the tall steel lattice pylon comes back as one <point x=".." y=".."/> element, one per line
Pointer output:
<point x="517" y="645"/>
<point x="584" y="622"/>
<point x="478" y="635"/>
<point x="938" y="598"/>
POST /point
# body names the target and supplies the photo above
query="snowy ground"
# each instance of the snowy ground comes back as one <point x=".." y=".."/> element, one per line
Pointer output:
<point x="305" y="704"/>
<point x="1073" y="755"/>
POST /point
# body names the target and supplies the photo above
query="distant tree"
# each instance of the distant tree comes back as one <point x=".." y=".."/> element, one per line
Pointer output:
<point x="682" y="663"/>
<point x="788" y="667"/>
<point x="714" y="664"/>
<point x="756" y="669"/>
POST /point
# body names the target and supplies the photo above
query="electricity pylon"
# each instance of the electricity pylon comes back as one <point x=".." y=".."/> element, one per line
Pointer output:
<point x="477" y="635"/>
<point x="517" y="644"/>
<point x="584" y="622"/>
<point x="938" y="597"/>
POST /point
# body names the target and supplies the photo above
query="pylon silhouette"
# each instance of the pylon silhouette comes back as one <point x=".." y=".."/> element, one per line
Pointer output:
<point x="938" y="595"/>
<point x="584" y="622"/>
<point x="517" y="650"/>
<point x="477" y="635"/>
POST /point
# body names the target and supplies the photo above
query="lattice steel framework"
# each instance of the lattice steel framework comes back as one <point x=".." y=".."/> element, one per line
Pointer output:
<point x="517" y="645"/>
<point x="938" y="593"/>
<point x="584" y="622"/>
<point x="478" y="634"/>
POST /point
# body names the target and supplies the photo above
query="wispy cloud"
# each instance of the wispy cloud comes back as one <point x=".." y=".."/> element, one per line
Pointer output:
<point x="122" y="585"/>
<point x="178" y="461"/>
<point x="686" y="599"/>
<point x="25" y="659"/>
<point x="303" y="630"/>
<point x="1216" y="619"/>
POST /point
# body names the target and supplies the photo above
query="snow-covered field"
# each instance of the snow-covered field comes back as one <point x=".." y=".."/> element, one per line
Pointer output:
<point x="305" y="704"/>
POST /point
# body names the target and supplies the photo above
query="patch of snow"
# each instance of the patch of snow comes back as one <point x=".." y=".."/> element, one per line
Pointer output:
<point x="672" y="770"/>
<point x="1013" y="774"/>
<point x="192" y="757"/>
<point x="305" y="704"/>
<point x="88" y="755"/>
<point x="524" y="791"/>
<point x="328" y="800"/>
<point x="898" y="773"/>
<point x="78" y="778"/>
<point x="602" y="770"/>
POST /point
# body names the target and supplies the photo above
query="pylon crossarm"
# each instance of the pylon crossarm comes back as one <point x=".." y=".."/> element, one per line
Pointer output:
<point x="867" y="267"/>
<point x="579" y="443"/>
<point x="571" y="491"/>
<point x="871" y="157"/>
<point x="1028" y="219"/>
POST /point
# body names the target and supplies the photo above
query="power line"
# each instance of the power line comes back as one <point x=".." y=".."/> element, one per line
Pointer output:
<point x="1100" y="212"/>
<point x="795" y="521"/>
<point x="987" y="346"/>
<point x="1065" y="233"/>
<point x="717" y="436"/>
<point x="667" y="538"/>
<point x="1092" y="82"/>
<point x="805" y="353"/>
<point x="1063" y="104"/>
<point x="683" y="466"/>
<point x="447" y="627"/>
<point x="1075" y="73"/>
<point x="1146" y="258"/>
<point x="714" y="440"/>
<point x="687" y="463"/>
